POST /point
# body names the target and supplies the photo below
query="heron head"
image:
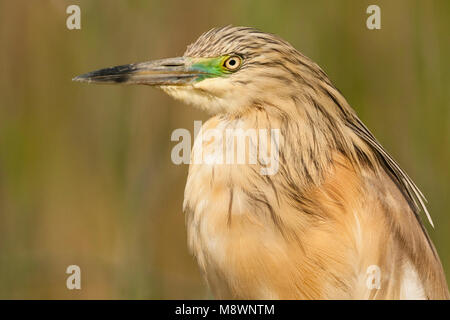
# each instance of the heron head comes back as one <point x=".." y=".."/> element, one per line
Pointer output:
<point x="226" y="70"/>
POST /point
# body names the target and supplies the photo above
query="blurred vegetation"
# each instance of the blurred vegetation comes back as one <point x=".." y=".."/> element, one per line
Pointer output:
<point x="85" y="171"/>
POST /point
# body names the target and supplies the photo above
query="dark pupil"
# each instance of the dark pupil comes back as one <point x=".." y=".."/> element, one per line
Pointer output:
<point x="232" y="62"/>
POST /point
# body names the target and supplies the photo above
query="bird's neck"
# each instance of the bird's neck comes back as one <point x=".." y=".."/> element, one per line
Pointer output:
<point x="304" y="133"/>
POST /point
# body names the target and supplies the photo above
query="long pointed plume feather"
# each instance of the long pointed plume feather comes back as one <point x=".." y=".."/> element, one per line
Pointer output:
<point x="412" y="191"/>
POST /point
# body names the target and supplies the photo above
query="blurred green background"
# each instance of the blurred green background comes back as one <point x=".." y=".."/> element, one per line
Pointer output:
<point x="85" y="171"/>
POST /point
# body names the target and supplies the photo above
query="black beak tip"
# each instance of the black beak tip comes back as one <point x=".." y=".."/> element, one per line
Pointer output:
<point x="86" y="77"/>
<point x="80" y="78"/>
<point x="118" y="74"/>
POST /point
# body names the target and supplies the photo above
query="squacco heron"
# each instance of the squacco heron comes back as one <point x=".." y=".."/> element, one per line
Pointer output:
<point x="338" y="207"/>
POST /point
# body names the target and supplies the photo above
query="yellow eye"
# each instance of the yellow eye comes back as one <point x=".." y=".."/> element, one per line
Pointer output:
<point x="233" y="63"/>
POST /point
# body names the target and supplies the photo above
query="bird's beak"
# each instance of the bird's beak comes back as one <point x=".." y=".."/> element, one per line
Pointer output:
<point x="172" y="71"/>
